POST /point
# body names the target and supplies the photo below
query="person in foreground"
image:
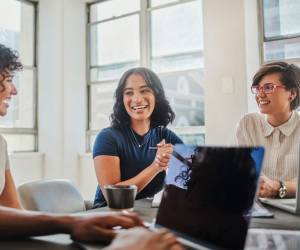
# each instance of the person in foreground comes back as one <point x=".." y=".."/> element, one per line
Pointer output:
<point x="276" y="88"/>
<point x="17" y="223"/>
<point x="136" y="149"/>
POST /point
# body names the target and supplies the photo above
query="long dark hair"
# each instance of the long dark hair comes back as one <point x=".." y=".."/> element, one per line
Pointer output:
<point x="9" y="63"/>
<point x="162" y="114"/>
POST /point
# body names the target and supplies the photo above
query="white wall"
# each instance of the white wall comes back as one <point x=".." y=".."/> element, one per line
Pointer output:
<point x="62" y="101"/>
<point x="27" y="167"/>
<point x="226" y="97"/>
<point x="62" y="86"/>
<point x="252" y="47"/>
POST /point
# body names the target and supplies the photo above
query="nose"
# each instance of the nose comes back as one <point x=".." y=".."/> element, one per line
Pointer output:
<point x="260" y="92"/>
<point x="137" y="98"/>
<point x="13" y="90"/>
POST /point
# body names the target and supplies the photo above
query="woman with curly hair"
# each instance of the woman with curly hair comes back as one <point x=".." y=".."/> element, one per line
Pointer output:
<point x="137" y="147"/>
<point x="9" y="64"/>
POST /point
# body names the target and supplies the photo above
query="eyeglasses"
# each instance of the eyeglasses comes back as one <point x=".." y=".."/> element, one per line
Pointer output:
<point x="267" y="88"/>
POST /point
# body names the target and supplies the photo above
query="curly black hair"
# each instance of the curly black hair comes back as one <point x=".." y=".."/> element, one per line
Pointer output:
<point x="162" y="114"/>
<point x="218" y="171"/>
<point x="9" y="62"/>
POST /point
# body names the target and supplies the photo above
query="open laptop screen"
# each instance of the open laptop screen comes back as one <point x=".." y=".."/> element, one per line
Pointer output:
<point x="210" y="198"/>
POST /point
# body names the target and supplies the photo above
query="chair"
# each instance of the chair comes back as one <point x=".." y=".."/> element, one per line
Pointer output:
<point x="55" y="196"/>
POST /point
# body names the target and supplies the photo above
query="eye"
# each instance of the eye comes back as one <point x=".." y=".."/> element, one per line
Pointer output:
<point x="269" y="87"/>
<point x="128" y="93"/>
<point x="146" y="90"/>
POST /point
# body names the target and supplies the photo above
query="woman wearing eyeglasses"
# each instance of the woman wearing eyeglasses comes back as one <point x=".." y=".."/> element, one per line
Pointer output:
<point x="276" y="87"/>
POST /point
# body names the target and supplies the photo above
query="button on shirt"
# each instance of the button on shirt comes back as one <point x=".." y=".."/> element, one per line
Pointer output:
<point x="281" y="143"/>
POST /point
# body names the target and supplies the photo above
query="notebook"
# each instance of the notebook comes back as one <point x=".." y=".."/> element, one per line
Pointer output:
<point x="208" y="195"/>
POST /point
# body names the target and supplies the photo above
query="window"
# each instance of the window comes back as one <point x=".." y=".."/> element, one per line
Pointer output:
<point x="281" y="30"/>
<point x="123" y="35"/>
<point x="17" y="31"/>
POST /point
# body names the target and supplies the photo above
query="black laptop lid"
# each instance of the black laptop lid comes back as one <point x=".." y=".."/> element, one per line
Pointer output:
<point x="210" y="198"/>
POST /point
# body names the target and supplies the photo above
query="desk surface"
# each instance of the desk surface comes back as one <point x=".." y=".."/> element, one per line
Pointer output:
<point x="281" y="220"/>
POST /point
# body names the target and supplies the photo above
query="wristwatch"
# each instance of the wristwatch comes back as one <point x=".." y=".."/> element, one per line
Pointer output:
<point x="282" y="191"/>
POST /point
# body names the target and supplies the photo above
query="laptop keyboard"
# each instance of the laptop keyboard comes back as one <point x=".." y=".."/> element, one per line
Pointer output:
<point x="272" y="239"/>
<point x="289" y="202"/>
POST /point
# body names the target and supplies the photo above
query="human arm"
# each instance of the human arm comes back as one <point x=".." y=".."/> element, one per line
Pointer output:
<point x="9" y="197"/>
<point x="19" y="223"/>
<point x="108" y="169"/>
<point x="269" y="188"/>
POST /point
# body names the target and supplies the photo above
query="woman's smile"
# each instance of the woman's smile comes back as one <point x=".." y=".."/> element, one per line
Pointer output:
<point x="138" y="98"/>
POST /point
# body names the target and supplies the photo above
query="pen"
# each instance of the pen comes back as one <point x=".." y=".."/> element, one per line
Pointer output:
<point x="152" y="147"/>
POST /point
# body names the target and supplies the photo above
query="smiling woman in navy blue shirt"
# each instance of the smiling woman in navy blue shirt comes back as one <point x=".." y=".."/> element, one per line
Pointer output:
<point x="123" y="153"/>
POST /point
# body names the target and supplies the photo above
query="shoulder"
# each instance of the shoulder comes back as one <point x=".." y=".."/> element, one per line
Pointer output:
<point x="107" y="142"/>
<point x="251" y="118"/>
<point x="109" y="132"/>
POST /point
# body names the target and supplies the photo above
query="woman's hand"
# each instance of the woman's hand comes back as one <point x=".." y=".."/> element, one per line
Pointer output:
<point x="268" y="187"/>
<point x="163" y="155"/>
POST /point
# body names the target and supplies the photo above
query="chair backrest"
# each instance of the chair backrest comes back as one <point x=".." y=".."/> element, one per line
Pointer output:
<point x="56" y="196"/>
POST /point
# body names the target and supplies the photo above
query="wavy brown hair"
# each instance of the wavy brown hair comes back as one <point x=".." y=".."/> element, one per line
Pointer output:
<point x="9" y="63"/>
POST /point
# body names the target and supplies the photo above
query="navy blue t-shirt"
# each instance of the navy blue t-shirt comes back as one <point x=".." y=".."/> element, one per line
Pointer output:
<point x="133" y="159"/>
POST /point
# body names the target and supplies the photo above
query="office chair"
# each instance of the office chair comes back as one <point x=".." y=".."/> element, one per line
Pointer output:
<point x="55" y="196"/>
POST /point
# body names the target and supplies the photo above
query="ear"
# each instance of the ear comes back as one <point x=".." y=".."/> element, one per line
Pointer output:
<point x="293" y="94"/>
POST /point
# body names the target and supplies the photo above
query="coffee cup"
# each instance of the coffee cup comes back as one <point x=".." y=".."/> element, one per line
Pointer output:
<point x="120" y="197"/>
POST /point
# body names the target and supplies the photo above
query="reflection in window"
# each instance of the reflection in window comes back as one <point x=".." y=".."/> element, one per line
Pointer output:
<point x="177" y="55"/>
<point x="17" y="31"/>
<point x="109" y="57"/>
<point x="281" y="29"/>
<point x="109" y="9"/>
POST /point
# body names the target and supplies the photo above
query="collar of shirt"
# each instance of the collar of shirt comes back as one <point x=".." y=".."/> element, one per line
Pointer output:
<point x="287" y="128"/>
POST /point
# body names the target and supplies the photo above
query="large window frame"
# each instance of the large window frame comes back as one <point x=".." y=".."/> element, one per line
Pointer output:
<point x="145" y="58"/>
<point x="279" y="38"/>
<point x="34" y="130"/>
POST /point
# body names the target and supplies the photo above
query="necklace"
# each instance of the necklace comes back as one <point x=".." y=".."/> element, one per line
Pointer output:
<point x="136" y="140"/>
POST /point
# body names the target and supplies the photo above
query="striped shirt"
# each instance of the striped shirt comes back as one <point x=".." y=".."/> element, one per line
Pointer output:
<point x="281" y="143"/>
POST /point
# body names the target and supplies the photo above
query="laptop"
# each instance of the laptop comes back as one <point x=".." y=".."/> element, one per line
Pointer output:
<point x="208" y="195"/>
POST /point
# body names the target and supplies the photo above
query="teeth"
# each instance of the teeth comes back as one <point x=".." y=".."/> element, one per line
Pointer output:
<point x="139" y="107"/>
<point x="264" y="102"/>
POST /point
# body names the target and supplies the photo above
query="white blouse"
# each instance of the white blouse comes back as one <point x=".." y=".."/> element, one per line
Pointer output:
<point x="281" y="143"/>
<point x="4" y="162"/>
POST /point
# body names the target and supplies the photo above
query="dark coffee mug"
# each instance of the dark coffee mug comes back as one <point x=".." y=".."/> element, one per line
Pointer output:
<point x="120" y="197"/>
